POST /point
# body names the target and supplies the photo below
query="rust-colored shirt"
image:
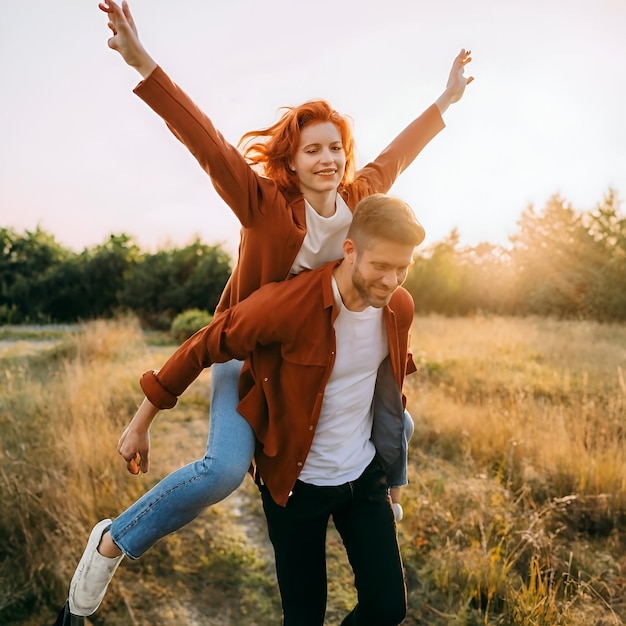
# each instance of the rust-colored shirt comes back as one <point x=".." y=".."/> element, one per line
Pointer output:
<point x="273" y="221"/>
<point x="286" y="329"/>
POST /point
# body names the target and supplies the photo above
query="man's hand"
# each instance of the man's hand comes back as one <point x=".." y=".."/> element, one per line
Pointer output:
<point x="125" y="39"/>
<point x="457" y="81"/>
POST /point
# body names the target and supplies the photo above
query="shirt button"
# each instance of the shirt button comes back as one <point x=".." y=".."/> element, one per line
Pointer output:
<point x="266" y="379"/>
<point x="311" y="427"/>
<point x="299" y="464"/>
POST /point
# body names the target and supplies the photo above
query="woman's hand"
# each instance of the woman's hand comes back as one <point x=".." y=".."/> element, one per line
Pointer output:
<point x="125" y="39"/>
<point x="134" y="447"/>
<point x="134" y="444"/>
<point x="457" y="81"/>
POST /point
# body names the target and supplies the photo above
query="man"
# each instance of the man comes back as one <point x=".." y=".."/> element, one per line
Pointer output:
<point x="327" y="352"/>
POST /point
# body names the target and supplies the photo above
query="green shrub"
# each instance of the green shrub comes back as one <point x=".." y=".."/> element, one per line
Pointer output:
<point x="188" y="322"/>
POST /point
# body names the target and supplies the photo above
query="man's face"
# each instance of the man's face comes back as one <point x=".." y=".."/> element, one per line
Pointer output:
<point x="380" y="270"/>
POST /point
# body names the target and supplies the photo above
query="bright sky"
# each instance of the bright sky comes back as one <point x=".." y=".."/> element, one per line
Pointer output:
<point x="83" y="157"/>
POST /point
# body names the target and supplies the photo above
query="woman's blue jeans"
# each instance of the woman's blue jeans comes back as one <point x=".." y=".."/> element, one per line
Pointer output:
<point x="184" y="494"/>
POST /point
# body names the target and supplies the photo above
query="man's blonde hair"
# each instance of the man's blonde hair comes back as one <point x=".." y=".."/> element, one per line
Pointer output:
<point x="380" y="216"/>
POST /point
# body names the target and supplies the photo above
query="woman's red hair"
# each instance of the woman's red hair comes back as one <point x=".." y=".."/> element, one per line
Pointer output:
<point x="272" y="148"/>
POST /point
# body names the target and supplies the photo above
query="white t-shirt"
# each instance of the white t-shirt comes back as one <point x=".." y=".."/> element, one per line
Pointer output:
<point x="341" y="447"/>
<point x="324" y="237"/>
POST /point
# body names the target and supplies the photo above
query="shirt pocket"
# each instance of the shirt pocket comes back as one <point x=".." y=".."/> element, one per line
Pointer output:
<point x="308" y="350"/>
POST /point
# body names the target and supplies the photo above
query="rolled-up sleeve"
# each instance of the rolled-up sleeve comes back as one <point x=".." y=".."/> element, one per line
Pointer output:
<point x="158" y="395"/>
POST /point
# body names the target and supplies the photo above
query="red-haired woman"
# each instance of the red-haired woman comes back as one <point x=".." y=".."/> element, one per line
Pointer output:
<point x="293" y="187"/>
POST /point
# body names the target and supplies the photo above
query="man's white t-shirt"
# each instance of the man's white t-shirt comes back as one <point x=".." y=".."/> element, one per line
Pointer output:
<point x="342" y="448"/>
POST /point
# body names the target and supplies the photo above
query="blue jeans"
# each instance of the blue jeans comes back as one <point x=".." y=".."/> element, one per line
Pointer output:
<point x="184" y="494"/>
<point x="409" y="429"/>
<point x="363" y="517"/>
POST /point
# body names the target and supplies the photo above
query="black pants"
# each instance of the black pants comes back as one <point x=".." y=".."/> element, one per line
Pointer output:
<point x="65" y="618"/>
<point x="362" y="514"/>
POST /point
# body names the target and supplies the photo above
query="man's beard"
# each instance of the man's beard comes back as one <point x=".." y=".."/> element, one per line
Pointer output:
<point x="365" y="289"/>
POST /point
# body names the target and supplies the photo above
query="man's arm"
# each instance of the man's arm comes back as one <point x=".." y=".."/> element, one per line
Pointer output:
<point x="262" y="318"/>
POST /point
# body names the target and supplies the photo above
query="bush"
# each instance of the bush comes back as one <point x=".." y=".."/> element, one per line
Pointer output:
<point x="188" y="322"/>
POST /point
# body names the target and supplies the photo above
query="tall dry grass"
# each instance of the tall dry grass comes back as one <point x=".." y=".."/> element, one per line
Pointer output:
<point x="62" y="409"/>
<point x="59" y="422"/>
<point x="517" y="499"/>
<point x="544" y="400"/>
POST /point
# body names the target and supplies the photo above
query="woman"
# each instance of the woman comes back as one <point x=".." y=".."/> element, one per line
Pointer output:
<point x="294" y="216"/>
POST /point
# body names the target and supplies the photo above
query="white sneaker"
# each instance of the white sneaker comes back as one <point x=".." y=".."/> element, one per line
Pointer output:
<point x="398" y="513"/>
<point x="93" y="574"/>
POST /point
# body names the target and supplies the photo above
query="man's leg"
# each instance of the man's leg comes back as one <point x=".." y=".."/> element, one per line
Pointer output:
<point x="298" y="534"/>
<point x="367" y="528"/>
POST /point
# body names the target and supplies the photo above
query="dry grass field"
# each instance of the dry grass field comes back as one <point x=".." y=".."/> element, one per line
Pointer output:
<point x="514" y="514"/>
<point x="516" y="508"/>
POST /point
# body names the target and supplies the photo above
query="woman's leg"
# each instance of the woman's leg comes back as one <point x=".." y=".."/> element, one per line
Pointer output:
<point x="408" y="429"/>
<point x="178" y="498"/>
<point x="394" y="492"/>
<point x="185" y="493"/>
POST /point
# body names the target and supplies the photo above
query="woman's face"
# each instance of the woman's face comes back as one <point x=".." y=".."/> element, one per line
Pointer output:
<point x="320" y="160"/>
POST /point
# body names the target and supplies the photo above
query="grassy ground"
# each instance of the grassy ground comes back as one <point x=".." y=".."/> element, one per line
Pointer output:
<point x="514" y="515"/>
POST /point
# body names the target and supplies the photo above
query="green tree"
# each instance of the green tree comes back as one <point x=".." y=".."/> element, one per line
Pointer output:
<point x="485" y="279"/>
<point x="452" y="280"/>
<point x="89" y="285"/>
<point x="554" y="259"/>
<point x="435" y="278"/>
<point x="607" y="294"/>
<point x="168" y="282"/>
<point x="25" y="261"/>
